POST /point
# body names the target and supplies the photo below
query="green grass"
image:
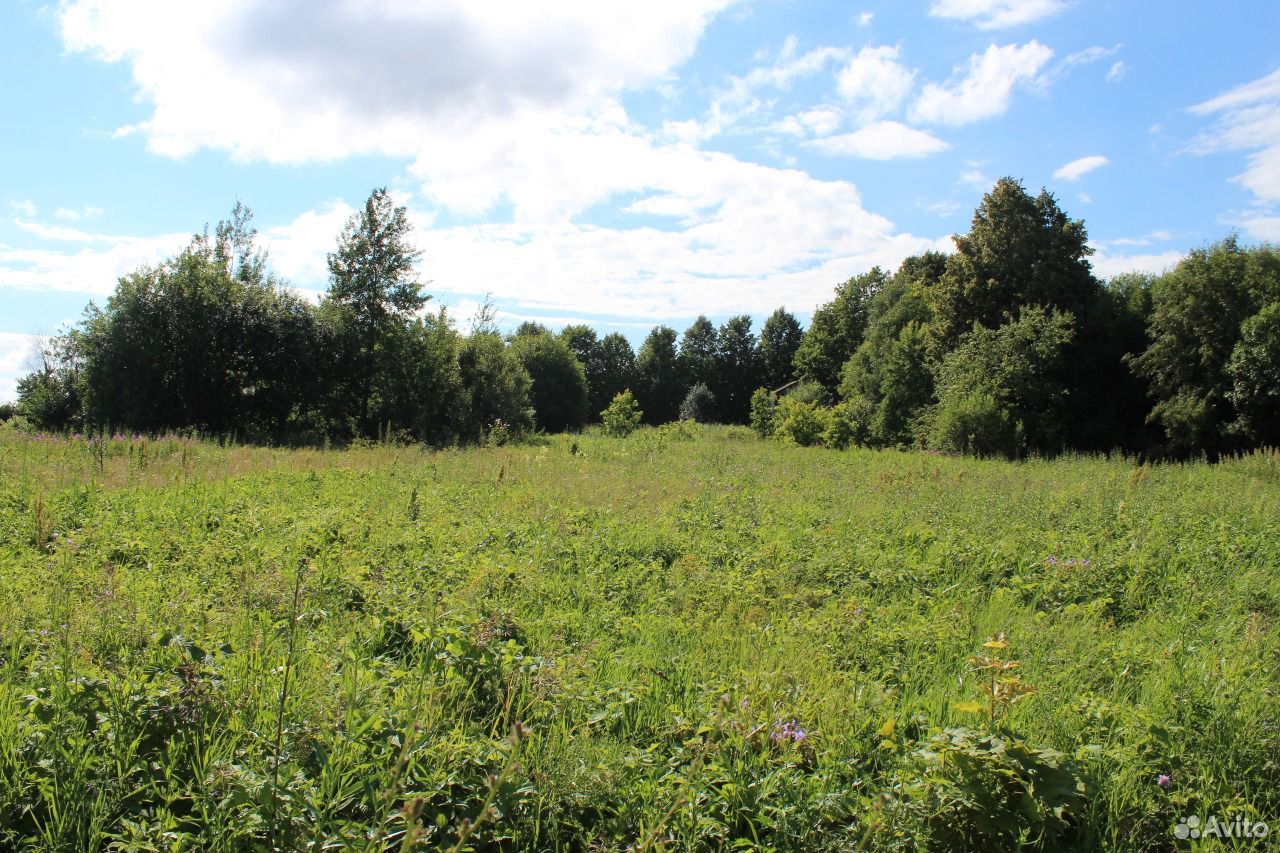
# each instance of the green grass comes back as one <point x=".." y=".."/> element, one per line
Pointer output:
<point x="226" y="648"/>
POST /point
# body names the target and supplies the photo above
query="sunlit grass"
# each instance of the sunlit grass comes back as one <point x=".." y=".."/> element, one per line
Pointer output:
<point x="656" y="609"/>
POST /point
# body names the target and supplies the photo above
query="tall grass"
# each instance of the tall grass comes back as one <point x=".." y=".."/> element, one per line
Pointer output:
<point x="715" y="643"/>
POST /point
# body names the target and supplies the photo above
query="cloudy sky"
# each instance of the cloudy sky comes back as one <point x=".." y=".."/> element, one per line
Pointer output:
<point x="626" y="164"/>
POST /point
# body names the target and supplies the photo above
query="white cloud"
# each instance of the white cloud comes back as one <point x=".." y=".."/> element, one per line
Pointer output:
<point x="91" y="267"/>
<point x="821" y="121"/>
<point x="1077" y="169"/>
<point x="1262" y="227"/>
<point x="14" y="351"/>
<point x="297" y="80"/>
<point x="298" y="250"/>
<point x="496" y="103"/>
<point x="23" y="207"/>
<point x="747" y="95"/>
<point x="974" y="178"/>
<point x="1084" y="198"/>
<point x="68" y="214"/>
<point x="1106" y="265"/>
<point x="883" y="140"/>
<point x="1116" y="72"/>
<point x="983" y="88"/>
<point x="996" y="14"/>
<point x="865" y="18"/>
<point x="1144" y="240"/>
<point x="874" y="82"/>
<point x="743" y="237"/>
<point x="1248" y="120"/>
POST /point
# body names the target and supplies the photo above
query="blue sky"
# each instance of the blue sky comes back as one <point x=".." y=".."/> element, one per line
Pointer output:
<point x="622" y="164"/>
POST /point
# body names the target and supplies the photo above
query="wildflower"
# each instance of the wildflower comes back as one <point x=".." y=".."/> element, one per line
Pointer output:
<point x="788" y="730"/>
<point x="1163" y="781"/>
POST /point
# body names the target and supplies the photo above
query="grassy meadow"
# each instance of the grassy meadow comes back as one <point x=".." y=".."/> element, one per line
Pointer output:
<point x="689" y="639"/>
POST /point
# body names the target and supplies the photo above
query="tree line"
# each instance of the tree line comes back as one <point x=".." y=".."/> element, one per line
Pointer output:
<point x="1008" y="346"/>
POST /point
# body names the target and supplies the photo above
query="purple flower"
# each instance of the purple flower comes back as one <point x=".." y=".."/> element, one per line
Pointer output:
<point x="1163" y="781"/>
<point x="788" y="730"/>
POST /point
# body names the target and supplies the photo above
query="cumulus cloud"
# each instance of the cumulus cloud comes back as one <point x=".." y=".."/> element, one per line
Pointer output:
<point x="1261" y="226"/>
<point x="290" y="81"/>
<point x="1077" y="169"/>
<point x="1248" y="119"/>
<point x="874" y="82"/>
<point x="91" y="265"/>
<point x="495" y="104"/>
<point x="996" y="14"/>
<point x="1106" y="265"/>
<point x="983" y="87"/>
<point x="882" y="140"/>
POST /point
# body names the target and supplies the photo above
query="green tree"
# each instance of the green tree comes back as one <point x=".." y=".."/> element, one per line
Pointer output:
<point x="613" y="368"/>
<point x="495" y="388"/>
<point x="51" y="396"/>
<point x="530" y="328"/>
<point x="889" y="377"/>
<point x="419" y="390"/>
<point x="1254" y="369"/>
<point x="737" y="371"/>
<point x="658" y="382"/>
<point x="207" y="339"/>
<point x="780" y="337"/>
<point x="699" y="346"/>
<point x="837" y="330"/>
<point x="373" y="276"/>
<point x="559" y="384"/>
<point x="609" y="363"/>
<point x="699" y="405"/>
<point x="1023" y="367"/>
<point x="1199" y="309"/>
<point x="1020" y="252"/>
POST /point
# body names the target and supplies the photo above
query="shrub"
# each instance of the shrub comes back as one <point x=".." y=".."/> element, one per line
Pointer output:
<point x="974" y="424"/>
<point x="809" y="392"/>
<point x="622" y="416"/>
<point x="798" y="422"/>
<point x="764" y="406"/>
<point x="699" y="405"/>
<point x="976" y="791"/>
<point x="843" y="428"/>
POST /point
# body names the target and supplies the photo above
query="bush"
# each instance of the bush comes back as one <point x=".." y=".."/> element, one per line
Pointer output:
<point x="975" y="791"/>
<point x="764" y="406"/>
<point x="623" y="415"/>
<point x="699" y="405"/>
<point x="809" y="392"/>
<point x="798" y="422"/>
<point x="843" y="428"/>
<point x="973" y="424"/>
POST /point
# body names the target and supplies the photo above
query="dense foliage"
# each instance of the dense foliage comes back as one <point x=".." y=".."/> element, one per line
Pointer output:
<point x="709" y="643"/>
<point x="1009" y="346"/>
